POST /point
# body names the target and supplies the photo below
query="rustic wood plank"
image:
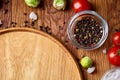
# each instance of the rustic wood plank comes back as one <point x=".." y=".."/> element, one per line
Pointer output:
<point x="5" y="14"/>
<point x="58" y="21"/>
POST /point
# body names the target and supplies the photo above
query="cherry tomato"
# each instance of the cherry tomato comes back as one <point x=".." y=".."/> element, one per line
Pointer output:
<point x="80" y="5"/>
<point x="114" y="55"/>
<point x="116" y="38"/>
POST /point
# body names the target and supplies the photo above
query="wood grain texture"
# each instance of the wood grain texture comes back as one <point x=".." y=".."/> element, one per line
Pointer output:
<point x="58" y="21"/>
<point x="32" y="55"/>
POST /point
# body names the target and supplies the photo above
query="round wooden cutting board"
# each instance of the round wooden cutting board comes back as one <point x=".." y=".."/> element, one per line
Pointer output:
<point x="27" y="54"/>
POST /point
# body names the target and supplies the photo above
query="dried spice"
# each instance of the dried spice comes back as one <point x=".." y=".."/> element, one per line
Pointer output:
<point x="60" y="28"/>
<point x="7" y="1"/>
<point x="5" y="11"/>
<point x="26" y="23"/>
<point x="41" y="28"/>
<point x="32" y="23"/>
<point x="88" y="31"/>
<point x="117" y="30"/>
<point x="46" y="29"/>
<point x="66" y="41"/>
<point x="29" y="24"/>
<point x="13" y="24"/>
<point x="64" y="22"/>
<point x="25" y="14"/>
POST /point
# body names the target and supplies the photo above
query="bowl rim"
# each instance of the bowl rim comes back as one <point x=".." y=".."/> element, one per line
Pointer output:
<point x="107" y="72"/>
<point x="104" y="26"/>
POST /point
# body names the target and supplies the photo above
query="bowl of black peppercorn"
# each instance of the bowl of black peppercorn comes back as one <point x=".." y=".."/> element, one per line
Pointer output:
<point x="87" y="30"/>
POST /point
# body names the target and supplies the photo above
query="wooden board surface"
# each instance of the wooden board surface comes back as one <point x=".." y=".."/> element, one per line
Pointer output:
<point x="32" y="55"/>
<point x="58" y="21"/>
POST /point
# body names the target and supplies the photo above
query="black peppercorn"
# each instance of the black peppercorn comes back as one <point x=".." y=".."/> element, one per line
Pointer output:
<point x="88" y="31"/>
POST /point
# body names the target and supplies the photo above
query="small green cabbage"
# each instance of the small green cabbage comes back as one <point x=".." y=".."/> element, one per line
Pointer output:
<point x="32" y="3"/>
<point x="86" y="62"/>
<point x="59" y="4"/>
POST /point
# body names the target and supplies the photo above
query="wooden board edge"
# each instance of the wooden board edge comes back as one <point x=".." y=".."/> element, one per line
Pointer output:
<point x="48" y="36"/>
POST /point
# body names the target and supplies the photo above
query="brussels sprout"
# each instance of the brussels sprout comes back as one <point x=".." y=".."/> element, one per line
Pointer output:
<point x="86" y="62"/>
<point x="59" y="4"/>
<point x="32" y="3"/>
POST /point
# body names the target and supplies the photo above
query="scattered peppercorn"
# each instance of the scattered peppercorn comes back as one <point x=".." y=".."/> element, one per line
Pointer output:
<point x="25" y="14"/>
<point x="117" y="30"/>
<point x="60" y="28"/>
<point x="26" y="21"/>
<point x="41" y="28"/>
<point x="66" y="41"/>
<point x="88" y="31"/>
<point x="76" y="48"/>
<point x="5" y="11"/>
<point x="0" y="25"/>
<point x="32" y="23"/>
<point x="7" y="1"/>
<point x="46" y="29"/>
<point x="13" y="24"/>
<point x="64" y="22"/>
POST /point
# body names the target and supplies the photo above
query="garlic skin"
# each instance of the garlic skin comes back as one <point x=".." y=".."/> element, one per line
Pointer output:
<point x="59" y="4"/>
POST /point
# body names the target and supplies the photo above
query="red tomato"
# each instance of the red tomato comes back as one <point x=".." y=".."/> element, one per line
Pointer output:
<point x="114" y="55"/>
<point x="80" y="5"/>
<point x="116" y="38"/>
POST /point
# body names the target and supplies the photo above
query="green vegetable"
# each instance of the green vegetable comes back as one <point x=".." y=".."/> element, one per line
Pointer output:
<point x="32" y="3"/>
<point x="86" y="62"/>
<point x="59" y="4"/>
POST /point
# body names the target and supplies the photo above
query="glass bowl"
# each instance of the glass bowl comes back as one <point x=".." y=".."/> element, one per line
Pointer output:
<point x="112" y="74"/>
<point x="79" y="42"/>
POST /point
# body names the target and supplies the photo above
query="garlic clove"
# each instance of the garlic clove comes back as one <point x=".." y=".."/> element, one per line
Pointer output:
<point x="91" y="69"/>
<point x="33" y="16"/>
<point x="104" y="51"/>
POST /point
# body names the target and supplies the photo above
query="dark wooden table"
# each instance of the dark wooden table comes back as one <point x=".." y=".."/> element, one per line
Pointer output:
<point x="18" y="13"/>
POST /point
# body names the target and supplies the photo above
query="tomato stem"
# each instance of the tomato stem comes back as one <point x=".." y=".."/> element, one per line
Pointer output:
<point x="118" y="52"/>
